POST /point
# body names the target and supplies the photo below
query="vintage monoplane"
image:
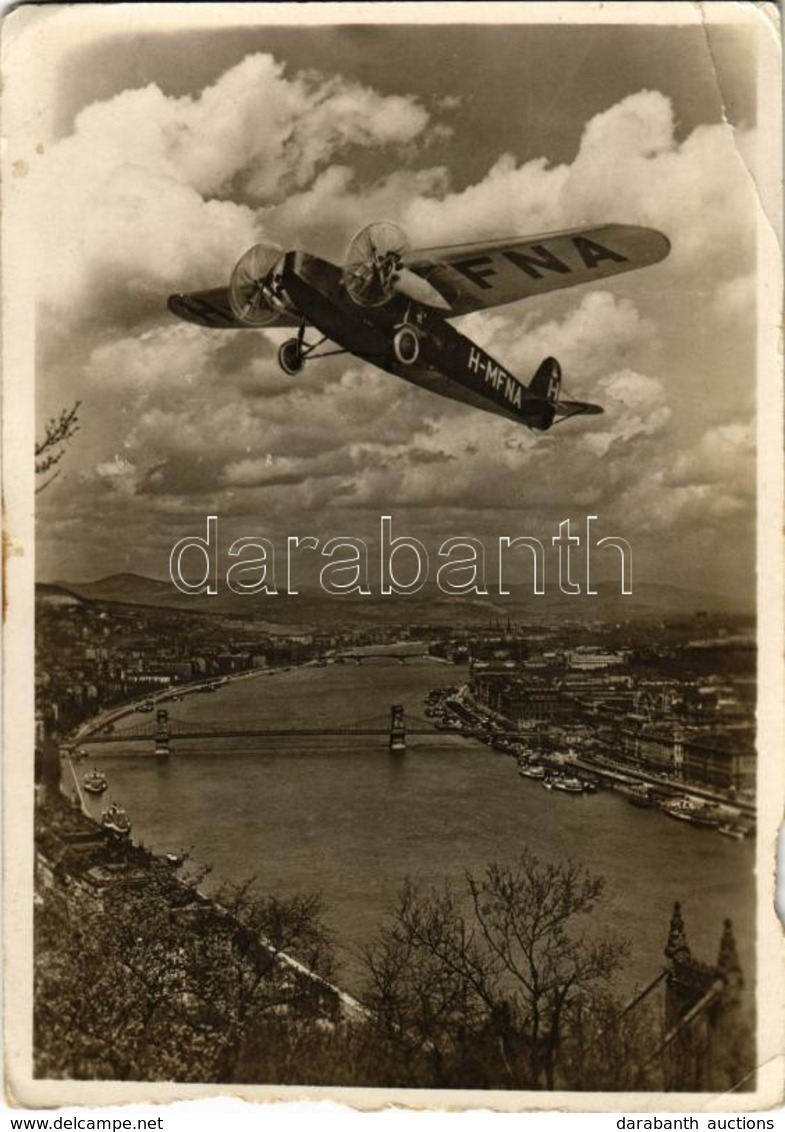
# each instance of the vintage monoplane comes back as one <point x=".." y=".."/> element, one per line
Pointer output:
<point x="390" y="306"/>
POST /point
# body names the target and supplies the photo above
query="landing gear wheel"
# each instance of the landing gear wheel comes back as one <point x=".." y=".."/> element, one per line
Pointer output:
<point x="406" y="345"/>
<point x="290" y="357"/>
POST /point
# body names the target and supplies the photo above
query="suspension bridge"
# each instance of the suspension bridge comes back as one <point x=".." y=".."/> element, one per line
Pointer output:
<point x="166" y="729"/>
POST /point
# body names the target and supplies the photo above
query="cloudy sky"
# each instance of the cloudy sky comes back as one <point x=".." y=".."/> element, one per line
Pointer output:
<point x="166" y="153"/>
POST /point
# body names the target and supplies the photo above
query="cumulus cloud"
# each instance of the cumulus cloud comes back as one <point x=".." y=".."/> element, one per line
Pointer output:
<point x="734" y="299"/>
<point x="723" y="455"/>
<point x="698" y="192"/>
<point x="159" y="193"/>
<point x="598" y="335"/>
<point x="155" y="192"/>
<point x="117" y="475"/>
<point x="629" y="168"/>
<point x="635" y="406"/>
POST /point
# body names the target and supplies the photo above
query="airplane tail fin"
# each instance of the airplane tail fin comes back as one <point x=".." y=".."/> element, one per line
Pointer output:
<point x="546" y="382"/>
<point x="546" y="386"/>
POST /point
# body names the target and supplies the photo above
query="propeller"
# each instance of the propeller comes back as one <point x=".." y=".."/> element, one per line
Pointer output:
<point x="371" y="261"/>
<point x="252" y="286"/>
<point x="374" y="271"/>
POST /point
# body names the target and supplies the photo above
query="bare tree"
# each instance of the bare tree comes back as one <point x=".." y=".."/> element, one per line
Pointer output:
<point x="431" y="990"/>
<point x="489" y="985"/>
<point x="50" y="451"/>
<point x="528" y="917"/>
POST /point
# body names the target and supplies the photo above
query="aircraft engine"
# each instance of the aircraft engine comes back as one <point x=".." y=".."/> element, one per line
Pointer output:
<point x="374" y="270"/>
<point x="256" y="291"/>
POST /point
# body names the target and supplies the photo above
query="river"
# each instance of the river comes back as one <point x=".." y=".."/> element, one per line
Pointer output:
<point x="341" y="816"/>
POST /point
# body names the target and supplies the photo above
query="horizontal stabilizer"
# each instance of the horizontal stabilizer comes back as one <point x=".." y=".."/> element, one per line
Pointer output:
<point x="577" y="408"/>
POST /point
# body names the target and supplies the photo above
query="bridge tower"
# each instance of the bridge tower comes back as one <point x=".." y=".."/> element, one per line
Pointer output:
<point x="702" y="1002"/>
<point x="162" y="733"/>
<point x="397" y="730"/>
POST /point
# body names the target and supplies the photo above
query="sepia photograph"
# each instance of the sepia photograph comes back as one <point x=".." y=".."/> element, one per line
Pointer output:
<point x="392" y="676"/>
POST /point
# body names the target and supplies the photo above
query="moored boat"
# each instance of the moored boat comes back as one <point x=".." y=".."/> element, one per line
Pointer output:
<point x="568" y="783"/>
<point x="531" y="770"/>
<point x="638" y="795"/>
<point x="733" y="830"/>
<point x="94" y="782"/>
<point x="116" y="820"/>
<point x="696" y="813"/>
<point x="504" y="746"/>
<point x="706" y="816"/>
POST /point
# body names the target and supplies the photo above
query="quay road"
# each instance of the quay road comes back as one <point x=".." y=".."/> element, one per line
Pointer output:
<point x="78" y="786"/>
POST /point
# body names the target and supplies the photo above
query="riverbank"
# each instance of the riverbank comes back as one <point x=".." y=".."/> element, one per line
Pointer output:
<point x="456" y="710"/>
<point x="79" y="862"/>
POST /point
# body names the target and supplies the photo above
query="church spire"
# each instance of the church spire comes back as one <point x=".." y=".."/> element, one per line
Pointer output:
<point x="728" y="959"/>
<point x="677" y="947"/>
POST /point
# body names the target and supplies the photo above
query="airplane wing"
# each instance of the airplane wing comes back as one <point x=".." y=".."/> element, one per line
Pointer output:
<point x="212" y="308"/>
<point x="481" y="275"/>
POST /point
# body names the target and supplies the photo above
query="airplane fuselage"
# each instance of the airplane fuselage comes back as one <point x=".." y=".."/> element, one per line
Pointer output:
<point x="449" y="363"/>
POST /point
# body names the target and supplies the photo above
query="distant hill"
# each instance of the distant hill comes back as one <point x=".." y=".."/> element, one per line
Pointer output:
<point x="654" y="600"/>
<point x="133" y="588"/>
<point x="56" y="594"/>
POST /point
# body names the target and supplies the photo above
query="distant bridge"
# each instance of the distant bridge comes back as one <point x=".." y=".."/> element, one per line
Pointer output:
<point x="165" y="729"/>
<point x="201" y="730"/>
<point x="398" y="657"/>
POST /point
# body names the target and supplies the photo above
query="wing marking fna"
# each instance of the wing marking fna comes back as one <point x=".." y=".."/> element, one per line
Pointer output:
<point x="392" y="305"/>
<point x="479" y="276"/>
